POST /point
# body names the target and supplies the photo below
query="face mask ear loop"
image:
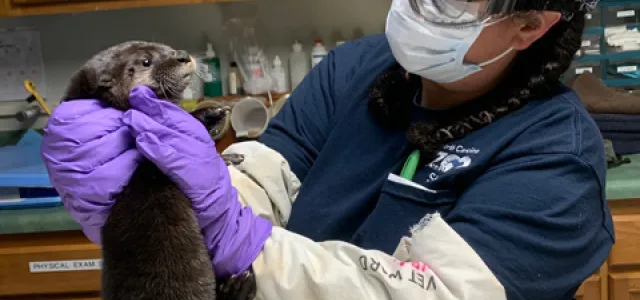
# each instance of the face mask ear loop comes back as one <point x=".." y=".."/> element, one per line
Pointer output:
<point x="488" y="62"/>
<point x="488" y="23"/>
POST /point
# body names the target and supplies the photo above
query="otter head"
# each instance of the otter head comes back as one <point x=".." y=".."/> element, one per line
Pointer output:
<point x="111" y="74"/>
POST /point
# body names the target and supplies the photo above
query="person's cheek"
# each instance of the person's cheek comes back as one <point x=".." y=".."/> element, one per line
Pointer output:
<point x="490" y="43"/>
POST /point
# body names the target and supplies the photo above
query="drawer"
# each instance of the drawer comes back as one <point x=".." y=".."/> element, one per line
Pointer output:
<point x="51" y="263"/>
<point x="625" y="251"/>
<point x="590" y="44"/>
<point x="578" y="68"/>
<point x="628" y="14"/>
<point x="623" y="69"/>
<point x="621" y="39"/>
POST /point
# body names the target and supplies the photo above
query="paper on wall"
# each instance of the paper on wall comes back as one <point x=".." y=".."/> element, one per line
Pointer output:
<point x="20" y="58"/>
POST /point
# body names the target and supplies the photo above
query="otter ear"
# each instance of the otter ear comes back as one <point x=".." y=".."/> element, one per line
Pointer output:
<point x="105" y="80"/>
<point x="87" y="83"/>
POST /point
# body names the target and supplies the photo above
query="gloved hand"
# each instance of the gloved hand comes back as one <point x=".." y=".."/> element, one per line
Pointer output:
<point x="90" y="156"/>
<point x="181" y="147"/>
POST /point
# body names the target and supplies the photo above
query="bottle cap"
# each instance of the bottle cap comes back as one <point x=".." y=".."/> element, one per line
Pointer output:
<point x="277" y="62"/>
<point x="234" y="64"/>
<point x="210" y="53"/>
<point x="318" y="42"/>
<point x="297" y="47"/>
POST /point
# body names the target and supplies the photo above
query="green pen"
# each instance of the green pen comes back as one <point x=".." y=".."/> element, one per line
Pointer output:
<point x="411" y="165"/>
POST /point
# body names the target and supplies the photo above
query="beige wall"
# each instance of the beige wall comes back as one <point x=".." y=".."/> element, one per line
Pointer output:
<point x="68" y="40"/>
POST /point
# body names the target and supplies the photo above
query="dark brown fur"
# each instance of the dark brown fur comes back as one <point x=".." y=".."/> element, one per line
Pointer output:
<point x="152" y="244"/>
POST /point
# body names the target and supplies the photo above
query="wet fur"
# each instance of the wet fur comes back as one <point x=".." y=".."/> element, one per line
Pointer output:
<point x="152" y="244"/>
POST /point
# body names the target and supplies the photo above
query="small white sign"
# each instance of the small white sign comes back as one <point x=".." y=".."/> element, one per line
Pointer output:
<point x="65" y="265"/>
<point x="588" y="16"/>
<point x="626" y="13"/>
<point x="582" y="70"/>
<point x="586" y="43"/>
<point x="625" y="69"/>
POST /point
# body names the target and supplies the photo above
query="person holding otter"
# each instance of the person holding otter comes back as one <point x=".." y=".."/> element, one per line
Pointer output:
<point x="440" y="160"/>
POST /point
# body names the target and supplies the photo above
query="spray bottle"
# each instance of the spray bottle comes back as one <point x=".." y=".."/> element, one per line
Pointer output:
<point x="212" y="78"/>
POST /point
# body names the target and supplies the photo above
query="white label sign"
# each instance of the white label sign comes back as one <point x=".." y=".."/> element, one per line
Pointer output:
<point x="626" y="13"/>
<point x="586" y="43"/>
<point x="588" y="16"/>
<point x="624" y="69"/>
<point x="582" y="70"/>
<point x="65" y="265"/>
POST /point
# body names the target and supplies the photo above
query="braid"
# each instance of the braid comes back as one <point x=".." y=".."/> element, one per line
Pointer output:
<point x="534" y="74"/>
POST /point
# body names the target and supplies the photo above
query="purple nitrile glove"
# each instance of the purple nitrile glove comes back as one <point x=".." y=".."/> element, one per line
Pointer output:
<point x="90" y="156"/>
<point x="182" y="148"/>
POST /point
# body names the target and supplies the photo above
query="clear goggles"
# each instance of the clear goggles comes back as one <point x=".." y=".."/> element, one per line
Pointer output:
<point x="456" y="13"/>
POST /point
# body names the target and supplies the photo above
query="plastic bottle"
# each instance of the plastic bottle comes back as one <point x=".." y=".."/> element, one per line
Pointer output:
<point x="235" y="79"/>
<point x="212" y="79"/>
<point x="279" y="76"/>
<point x="298" y="64"/>
<point x="318" y="53"/>
<point x="255" y="62"/>
<point x="258" y="80"/>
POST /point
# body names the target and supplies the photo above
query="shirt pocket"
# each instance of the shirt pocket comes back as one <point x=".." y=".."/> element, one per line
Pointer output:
<point x="401" y="205"/>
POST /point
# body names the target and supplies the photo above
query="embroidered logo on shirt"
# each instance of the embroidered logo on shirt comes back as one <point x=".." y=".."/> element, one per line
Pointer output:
<point x="453" y="157"/>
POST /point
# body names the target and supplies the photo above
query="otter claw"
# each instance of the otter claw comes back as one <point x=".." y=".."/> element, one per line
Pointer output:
<point x="232" y="159"/>
<point x="240" y="287"/>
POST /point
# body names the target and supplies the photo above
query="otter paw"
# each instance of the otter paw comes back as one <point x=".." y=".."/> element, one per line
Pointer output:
<point x="241" y="287"/>
<point x="232" y="159"/>
<point x="210" y="117"/>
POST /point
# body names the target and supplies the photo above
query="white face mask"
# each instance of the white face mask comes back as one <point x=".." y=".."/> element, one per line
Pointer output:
<point x="432" y="52"/>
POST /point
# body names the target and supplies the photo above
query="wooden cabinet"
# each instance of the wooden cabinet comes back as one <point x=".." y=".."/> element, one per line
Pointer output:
<point x="592" y="288"/>
<point x="624" y="260"/>
<point x="30" y="266"/>
<point x="14" y="8"/>
<point x="624" y="286"/>
<point x="618" y="279"/>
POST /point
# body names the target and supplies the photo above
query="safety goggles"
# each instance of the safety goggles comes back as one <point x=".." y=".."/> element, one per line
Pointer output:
<point x="462" y="12"/>
<point x="466" y="13"/>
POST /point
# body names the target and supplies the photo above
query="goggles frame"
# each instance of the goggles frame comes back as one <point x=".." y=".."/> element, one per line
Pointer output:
<point x="495" y="10"/>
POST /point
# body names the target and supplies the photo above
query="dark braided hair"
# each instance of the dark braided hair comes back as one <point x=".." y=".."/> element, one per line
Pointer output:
<point x="534" y="73"/>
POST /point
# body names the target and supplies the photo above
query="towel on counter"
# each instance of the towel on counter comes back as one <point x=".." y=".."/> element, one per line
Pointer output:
<point x="601" y="99"/>
<point x="617" y="122"/>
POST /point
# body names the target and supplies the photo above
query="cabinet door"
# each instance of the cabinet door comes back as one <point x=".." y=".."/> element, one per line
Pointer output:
<point x="92" y="296"/>
<point x="17" y="8"/>
<point x="44" y="2"/>
<point x="624" y="260"/>
<point x="624" y="286"/>
<point x="590" y="289"/>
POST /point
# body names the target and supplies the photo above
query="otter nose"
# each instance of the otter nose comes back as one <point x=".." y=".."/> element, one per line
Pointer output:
<point x="182" y="56"/>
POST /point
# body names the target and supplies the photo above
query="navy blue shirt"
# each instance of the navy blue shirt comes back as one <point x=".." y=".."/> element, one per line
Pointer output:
<point x="526" y="192"/>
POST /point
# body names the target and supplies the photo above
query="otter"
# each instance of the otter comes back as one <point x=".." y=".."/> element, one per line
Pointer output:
<point x="152" y="246"/>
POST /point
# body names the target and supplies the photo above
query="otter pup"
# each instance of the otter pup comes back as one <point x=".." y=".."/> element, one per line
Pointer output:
<point x="152" y="244"/>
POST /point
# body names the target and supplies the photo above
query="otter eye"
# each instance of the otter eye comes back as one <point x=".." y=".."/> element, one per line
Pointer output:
<point x="146" y="63"/>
